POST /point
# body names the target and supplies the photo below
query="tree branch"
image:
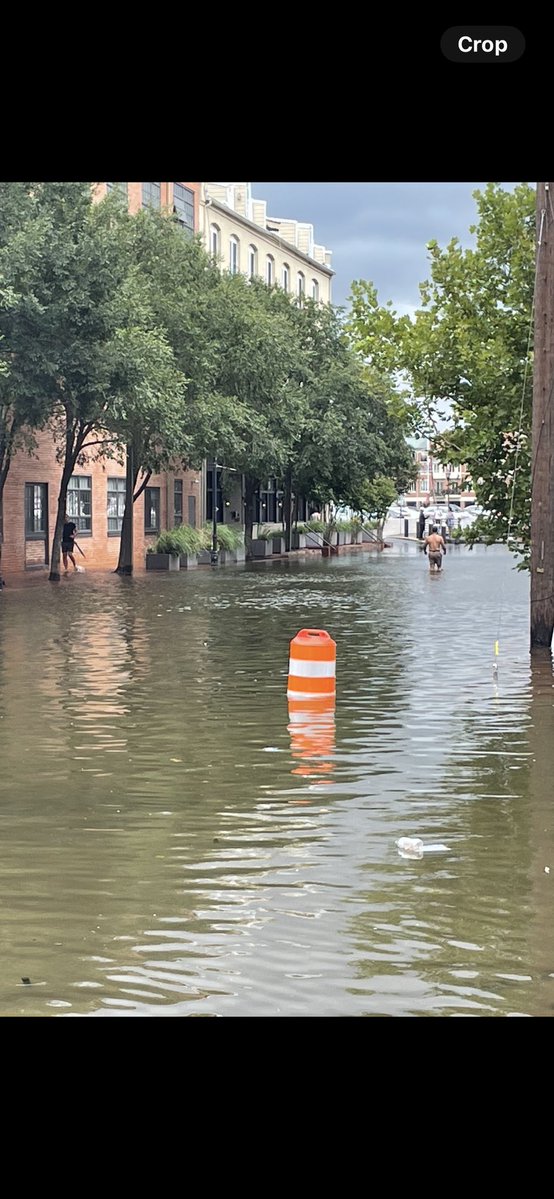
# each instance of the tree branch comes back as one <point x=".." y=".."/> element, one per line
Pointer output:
<point x="144" y="484"/>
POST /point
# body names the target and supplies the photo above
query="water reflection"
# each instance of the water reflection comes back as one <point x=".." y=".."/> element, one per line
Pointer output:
<point x="169" y="848"/>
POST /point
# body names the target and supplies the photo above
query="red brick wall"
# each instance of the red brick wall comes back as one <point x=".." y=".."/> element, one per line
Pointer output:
<point x="101" y="549"/>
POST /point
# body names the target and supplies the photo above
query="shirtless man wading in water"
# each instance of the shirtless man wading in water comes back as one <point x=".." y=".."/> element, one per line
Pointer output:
<point x="436" y="546"/>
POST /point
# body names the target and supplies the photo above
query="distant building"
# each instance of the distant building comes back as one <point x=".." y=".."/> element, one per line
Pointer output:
<point x="237" y="231"/>
<point x="438" y="482"/>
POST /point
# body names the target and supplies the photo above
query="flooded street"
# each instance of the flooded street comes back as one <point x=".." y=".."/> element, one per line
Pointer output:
<point x="173" y="845"/>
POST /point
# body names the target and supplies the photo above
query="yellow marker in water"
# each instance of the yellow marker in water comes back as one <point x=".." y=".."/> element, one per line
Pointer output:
<point x="496" y="649"/>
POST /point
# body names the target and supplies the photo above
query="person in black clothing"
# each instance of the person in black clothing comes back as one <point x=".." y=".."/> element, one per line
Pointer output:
<point x="421" y="524"/>
<point x="68" y="544"/>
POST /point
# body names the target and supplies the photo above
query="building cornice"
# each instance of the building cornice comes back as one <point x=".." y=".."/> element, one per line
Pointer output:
<point x="273" y="238"/>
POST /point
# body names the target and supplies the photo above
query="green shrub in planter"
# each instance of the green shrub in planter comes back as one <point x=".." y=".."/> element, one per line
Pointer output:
<point x="168" y="542"/>
<point x="315" y="526"/>
<point x="228" y="538"/>
<point x="189" y="538"/>
<point x="265" y="533"/>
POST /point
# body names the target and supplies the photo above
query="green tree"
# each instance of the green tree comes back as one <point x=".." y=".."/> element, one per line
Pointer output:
<point x="375" y="499"/>
<point x="22" y="406"/>
<point x="260" y="369"/>
<point x="467" y="356"/>
<point x="167" y="310"/>
<point x="352" y="421"/>
<point x="65" y="265"/>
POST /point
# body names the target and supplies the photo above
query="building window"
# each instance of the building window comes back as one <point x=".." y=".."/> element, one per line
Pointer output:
<point x="151" y="193"/>
<point x="252" y="261"/>
<point x="270" y="271"/>
<point x="301" y="284"/>
<point x="177" y="503"/>
<point x="79" y="502"/>
<point x="214" y="241"/>
<point x="117" y="187"/>
<point x="183" y="206"/>
<point x="116" y="505"/>
<point x="285" y="277"/>
<point x="267" y="503"/>
<point x="151" y="509"/>
<point x="315" y="289"/>
<point x="36" y="511"/>
<point x="234" y="255"/>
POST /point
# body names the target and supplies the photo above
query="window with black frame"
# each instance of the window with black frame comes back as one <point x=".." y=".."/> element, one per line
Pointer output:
<point x="267" y="503"/>
<point x="177" y="503"/>
<point x="151" y="195"/>
<point x="151" y="509"/>
<point x="116" y="505"/>
<point x="122" y="188"/>
<point x="36" y="511"/>
<point x="183" y="206"/>
<point x="79" y="502"/>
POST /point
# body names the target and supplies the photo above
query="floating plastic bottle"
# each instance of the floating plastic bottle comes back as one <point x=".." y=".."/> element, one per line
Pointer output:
<point x="410" y="847"/>
<point x="413" y="847"/>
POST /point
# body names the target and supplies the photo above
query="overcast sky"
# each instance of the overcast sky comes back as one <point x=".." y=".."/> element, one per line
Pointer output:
<point x="377" y="231"/>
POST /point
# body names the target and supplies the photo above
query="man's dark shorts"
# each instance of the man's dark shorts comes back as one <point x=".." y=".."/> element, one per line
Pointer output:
<point x="435" y="559"/>
<point x="67" y="547"/>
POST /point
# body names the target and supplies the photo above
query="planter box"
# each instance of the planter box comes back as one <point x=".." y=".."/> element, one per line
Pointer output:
<point x="298" y="541"/>
<point x="163" y="562"/>
<point x="314" y="540"/>
<point x="278" y="544"/>
<point x="357" y="538"/>
<point x="343" y="538"/>
<point x="261" y="548"/>
<point x="333" y="538"/>
<point x="188" y="561"/>
<point x="204" y="558"/>
<point x="368" y="536"/>
<point x="230" y="557"/>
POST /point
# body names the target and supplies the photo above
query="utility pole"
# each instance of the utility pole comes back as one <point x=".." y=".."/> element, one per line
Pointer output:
<point x="542" y="477"/>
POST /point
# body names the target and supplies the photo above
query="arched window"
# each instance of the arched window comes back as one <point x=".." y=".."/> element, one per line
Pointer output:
<point x="315" y="289"/>
<point x="301" y="284"/>
<point x="234" y="255"/>
<point x="285" y="277"/>
<point x="214" y="241"/>
<point x="252" y="261"/>
<point x="270" y="271"/>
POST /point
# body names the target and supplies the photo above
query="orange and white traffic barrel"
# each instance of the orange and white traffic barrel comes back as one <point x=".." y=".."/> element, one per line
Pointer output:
<point x="312" y="665"/>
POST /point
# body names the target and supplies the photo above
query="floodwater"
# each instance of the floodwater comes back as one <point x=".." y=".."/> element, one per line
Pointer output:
<point x="173" y="844"/>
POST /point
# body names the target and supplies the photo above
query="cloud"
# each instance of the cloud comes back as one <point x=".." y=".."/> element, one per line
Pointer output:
<point x="378" y="231"/>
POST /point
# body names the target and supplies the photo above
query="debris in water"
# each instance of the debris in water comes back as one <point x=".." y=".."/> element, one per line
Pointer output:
<point x="413" y="847"/>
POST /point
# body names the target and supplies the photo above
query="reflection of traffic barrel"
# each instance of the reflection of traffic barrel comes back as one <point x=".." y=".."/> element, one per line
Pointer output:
<point x="312" y="735"/>
<point x="312" y="665"/>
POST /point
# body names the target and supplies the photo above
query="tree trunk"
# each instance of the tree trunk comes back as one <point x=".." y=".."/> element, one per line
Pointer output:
<point x="76" y="433"/>
<point x="287" y="509"/>
<point x="5" y="458"/>
<point x="250" y="486"/>
<point x="542" y="509"/>
<point x="54" y="576"/>
<point x="125" y="562"/>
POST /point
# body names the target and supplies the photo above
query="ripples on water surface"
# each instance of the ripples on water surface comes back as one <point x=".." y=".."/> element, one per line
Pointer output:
<point x="172" y="846"/>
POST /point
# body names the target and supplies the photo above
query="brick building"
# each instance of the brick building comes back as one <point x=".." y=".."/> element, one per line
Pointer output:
<point x="96" y="495"/>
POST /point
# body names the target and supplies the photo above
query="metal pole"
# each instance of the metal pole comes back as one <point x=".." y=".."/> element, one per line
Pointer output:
<point x="214" y="554"/>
